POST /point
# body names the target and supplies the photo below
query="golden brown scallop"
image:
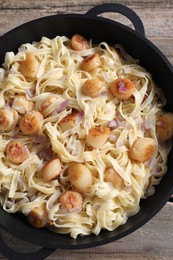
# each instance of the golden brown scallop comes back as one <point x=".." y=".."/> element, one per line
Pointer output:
<point x="46" y="103"/>
<point x="164" y="126"/>
<point x="143" y="149"/>
<point x="29" y="67"/>
<point x="91" y="62"/>
<point x="69" y="121"/>
<point x="71" y="200"/>
<point x="8" y="119"/>
<point x="31" y="122"/>
<point x="79" y="43"/>
<point x="98" y="136"/>
<point x="51" y="170"/>
<point x="80" y="176"/>
<point x="122" y="88"/>
<point x="38" y="216"/>
<point x="92" y="87"/>
<point x="17" y="152"/>
<point x="112" y="176"/>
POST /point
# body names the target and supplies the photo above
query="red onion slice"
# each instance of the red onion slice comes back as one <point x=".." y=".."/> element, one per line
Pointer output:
<point x="113" y="124"/>
<point x="80" y="117"/>
<point x="122" y="87"/>
<point x="61" y="107"/>
<point x="30" y="92"/>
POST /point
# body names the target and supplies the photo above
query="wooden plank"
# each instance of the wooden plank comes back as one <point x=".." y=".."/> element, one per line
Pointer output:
<point x="157" y="22"/>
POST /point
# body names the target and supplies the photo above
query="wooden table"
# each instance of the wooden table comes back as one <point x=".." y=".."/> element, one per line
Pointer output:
<point x="155" y="239"/>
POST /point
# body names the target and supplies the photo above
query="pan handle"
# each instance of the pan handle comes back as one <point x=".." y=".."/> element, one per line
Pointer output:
<point x="122" y="9"/>
<point x="13" y="255"/>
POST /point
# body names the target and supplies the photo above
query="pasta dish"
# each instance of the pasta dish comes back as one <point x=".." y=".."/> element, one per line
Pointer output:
<point x="83" y="135"/>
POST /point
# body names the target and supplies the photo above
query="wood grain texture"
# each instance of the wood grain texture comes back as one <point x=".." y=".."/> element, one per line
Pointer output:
<point x="153" y="241"/>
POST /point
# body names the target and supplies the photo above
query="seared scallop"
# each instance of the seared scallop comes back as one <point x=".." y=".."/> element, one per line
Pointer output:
<point x="143" y="149"/>
<point x="122" y="88"/>
<point x="29" y="67"/>
<point x="69" y="121"/>
<point x="38" y="216"/>
<point x="31" y="122"/>
<point x="91" y="62"/>
<point x="17" y="152"/>
<point x="112" y="176"/>
<point x="164" y="126"/>
<point x="71" y="200"/>
<point x="92" y="87"/>
<point x="98" y="136"/>
<point x="51" y="170"/>
<point x="79" y="43"/>
<point x="80" y="176"/>
<point x="8" y="119"/>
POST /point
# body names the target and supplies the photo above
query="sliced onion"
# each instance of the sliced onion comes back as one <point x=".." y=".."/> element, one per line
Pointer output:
<point x="81" y="114"/>
<point x="122" y="124"/>
<point x="119" y="118"/>
<point x="25" y="150"/>
<point x="74" y="152"/>
<point x="80" y="117"/>
<point x="22" y="48"/>
<point x="160" y="123"/>
<point x="147" y="125"/>
<point x="30" y="92"/>
<point x="150" y="191"/>
<point x="119" y="144"/>
<point x="96" y="206"/>
<point x="143" y="127"/>
<point x="113" y="124"/>
<point x="61" y="107"/>
<point x="128" y="188"/>
<point x="122" y="87"/>
<point x="128" y="126"/>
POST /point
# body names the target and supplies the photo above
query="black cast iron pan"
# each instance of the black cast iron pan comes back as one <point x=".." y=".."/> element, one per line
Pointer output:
<point x="99" y="29"/>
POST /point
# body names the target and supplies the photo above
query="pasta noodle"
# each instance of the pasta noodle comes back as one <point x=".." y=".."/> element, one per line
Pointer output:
<point x="56" y="92"/>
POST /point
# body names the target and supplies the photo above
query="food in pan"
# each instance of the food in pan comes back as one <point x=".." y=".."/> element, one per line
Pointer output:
<point x="83" y="135"/>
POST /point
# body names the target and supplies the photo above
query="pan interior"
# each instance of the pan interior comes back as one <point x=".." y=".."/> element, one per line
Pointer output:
<point x="98" y="29"/>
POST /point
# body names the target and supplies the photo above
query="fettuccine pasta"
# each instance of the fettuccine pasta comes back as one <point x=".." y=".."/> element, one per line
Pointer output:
<point x="82" y="135"/>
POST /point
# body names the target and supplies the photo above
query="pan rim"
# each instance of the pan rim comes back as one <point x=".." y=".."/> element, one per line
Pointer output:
<point x="167" y="195"/>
